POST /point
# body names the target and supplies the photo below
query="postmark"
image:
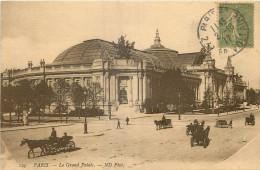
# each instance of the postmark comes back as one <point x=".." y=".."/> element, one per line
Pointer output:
<point x="226" y="30"/>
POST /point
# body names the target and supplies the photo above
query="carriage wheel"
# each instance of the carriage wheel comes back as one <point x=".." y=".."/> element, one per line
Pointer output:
<point x="30" y="154"/>
<point x="253" y="123"/>
<point x="71" y="145"/>
<point x="187" y="132"/>
<point x="50" y="150"/>
<point x="245" y="123"/>
<point x="192" y="142"/>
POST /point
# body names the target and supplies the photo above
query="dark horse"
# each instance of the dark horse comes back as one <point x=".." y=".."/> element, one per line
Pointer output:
<point x="158" y="123"/>
<point x="32" y="144"/>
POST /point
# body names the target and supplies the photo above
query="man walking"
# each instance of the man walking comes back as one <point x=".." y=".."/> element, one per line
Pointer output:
<point x="118" y="124"/>
<point x="127" y="120"/>
<point x="230" y="123"/>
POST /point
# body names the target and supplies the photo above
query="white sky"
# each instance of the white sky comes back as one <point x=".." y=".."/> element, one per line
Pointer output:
<point x="34" y="30"/>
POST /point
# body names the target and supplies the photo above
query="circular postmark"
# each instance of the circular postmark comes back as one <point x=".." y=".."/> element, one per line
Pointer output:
<point x="228" y="36"/>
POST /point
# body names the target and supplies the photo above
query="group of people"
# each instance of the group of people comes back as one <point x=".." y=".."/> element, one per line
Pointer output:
<point x="118" y="122"/>
<point x="53" y="136"/>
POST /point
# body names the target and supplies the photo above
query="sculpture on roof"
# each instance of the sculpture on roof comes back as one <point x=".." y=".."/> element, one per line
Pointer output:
<point x="207" y="52"/>
<point x="124" y="47"/>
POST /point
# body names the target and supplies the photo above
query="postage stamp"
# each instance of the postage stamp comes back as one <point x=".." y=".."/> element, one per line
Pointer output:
<point x="227" y="29"/>
<point x="236" y="28"/>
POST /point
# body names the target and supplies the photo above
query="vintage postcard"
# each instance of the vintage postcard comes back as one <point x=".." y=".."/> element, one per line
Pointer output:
<point x="141" y="85"/>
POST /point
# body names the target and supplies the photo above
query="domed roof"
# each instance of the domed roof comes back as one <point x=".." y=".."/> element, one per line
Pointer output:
<point x="90" y="50"/>
<point x="86" y="52"/>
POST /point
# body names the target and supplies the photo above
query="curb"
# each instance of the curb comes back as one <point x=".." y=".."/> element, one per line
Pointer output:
<point x="7" y="130"/>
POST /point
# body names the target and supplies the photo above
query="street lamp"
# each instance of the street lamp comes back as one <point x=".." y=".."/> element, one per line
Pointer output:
<point x="179" y="106"/>
<point x="85" y="122"/>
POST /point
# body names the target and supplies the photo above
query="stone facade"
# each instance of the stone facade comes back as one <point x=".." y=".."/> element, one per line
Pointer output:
<point x="128" y="82"/>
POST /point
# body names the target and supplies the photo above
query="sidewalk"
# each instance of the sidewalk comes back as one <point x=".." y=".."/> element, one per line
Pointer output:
<point x="248" y="157"/>
<point x="35" y="126"/>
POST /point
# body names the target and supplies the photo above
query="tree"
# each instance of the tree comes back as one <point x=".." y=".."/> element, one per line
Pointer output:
<point x="7" y="101"/>
<point x="173" y="89"/>
<point x="61" y="89"/>
<point x="252" y="96"/>
<point x="124" y="47"/>
<point x="207" y="99"/>
<point x="229" y="99"/>
<point x="77" y="96"/>
<point x="95" y="94"/>
<point x="43" y="96"/>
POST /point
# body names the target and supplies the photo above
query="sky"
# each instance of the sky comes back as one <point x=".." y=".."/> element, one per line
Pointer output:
<point x="31" y="31"/>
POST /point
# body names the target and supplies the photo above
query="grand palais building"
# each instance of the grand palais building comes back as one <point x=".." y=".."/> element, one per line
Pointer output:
<point x="128" y="82"/>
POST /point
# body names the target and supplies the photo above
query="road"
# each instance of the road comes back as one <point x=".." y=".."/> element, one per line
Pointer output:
<point x="135" y="146"/>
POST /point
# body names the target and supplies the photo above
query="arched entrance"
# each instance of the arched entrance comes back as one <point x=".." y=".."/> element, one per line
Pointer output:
<point x="123" y="97"/>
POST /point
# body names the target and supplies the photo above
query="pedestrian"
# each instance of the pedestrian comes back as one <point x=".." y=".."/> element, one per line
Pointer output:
<point x="127" y="120"/>
<point x="118" y="124"/>
<point x="53" y="134"/>
<point x="230" y="123"/>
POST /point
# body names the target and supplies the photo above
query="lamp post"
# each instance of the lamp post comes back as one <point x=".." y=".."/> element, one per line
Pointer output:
<point x="85" y="122"/>
<point x="179" y="106"/>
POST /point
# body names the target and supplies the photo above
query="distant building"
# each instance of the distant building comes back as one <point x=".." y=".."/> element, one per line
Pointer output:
<point x="128" y="82"/>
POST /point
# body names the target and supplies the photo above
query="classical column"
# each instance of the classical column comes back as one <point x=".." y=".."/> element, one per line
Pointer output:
<point x="105" y="88"/>
<point x="108" y="83"/>
<point x="82" y="81"/>
<point x="144" y="87"/>
<point x="116" y="88"/>
<point x="140" y="88"/>
<point x="131" y="90"/>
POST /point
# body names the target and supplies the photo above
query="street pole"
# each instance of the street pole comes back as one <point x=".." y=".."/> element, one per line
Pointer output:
<point x="85" y="122"/>
<point x="179" y="106"/>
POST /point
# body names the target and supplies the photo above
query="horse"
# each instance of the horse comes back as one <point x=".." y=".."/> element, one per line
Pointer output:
<point x="158" y="123"/>
<point x="32" y="144"/>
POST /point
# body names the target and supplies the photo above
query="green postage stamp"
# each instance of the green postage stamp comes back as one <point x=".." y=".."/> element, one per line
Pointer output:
<point x="236" y="25"/>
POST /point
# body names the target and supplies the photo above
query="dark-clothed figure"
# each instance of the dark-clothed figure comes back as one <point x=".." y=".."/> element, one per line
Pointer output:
<point x="53" y="134"/>
<point x="127" y="120"/>
<point x="230" y="124"/>
<point x="163" y="119"/>
<point x="251" y="115"/>
<point x="118" y="124"/>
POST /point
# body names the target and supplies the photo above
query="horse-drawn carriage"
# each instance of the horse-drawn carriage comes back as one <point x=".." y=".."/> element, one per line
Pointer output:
<point x="192" y="128"/>
<point x="250" y="120"/>
<point x="49" y="146"/>
<point x="221" y="124"/>
<point x="200" y="138"/>
<point x="163" y="123"/>
<point x="196" y="127"/>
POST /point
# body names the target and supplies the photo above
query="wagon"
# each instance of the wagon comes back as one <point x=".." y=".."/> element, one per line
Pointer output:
<point x="163" y="123"/>
<point x="250" y="121"/>
<point x="58" y="144"/>
<point x="200" y="138"/>
<point x="221" y="123"/>
<point x="167" y="123"/>
<point x="49" y="146"/>
<point x="192" y="128"/>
